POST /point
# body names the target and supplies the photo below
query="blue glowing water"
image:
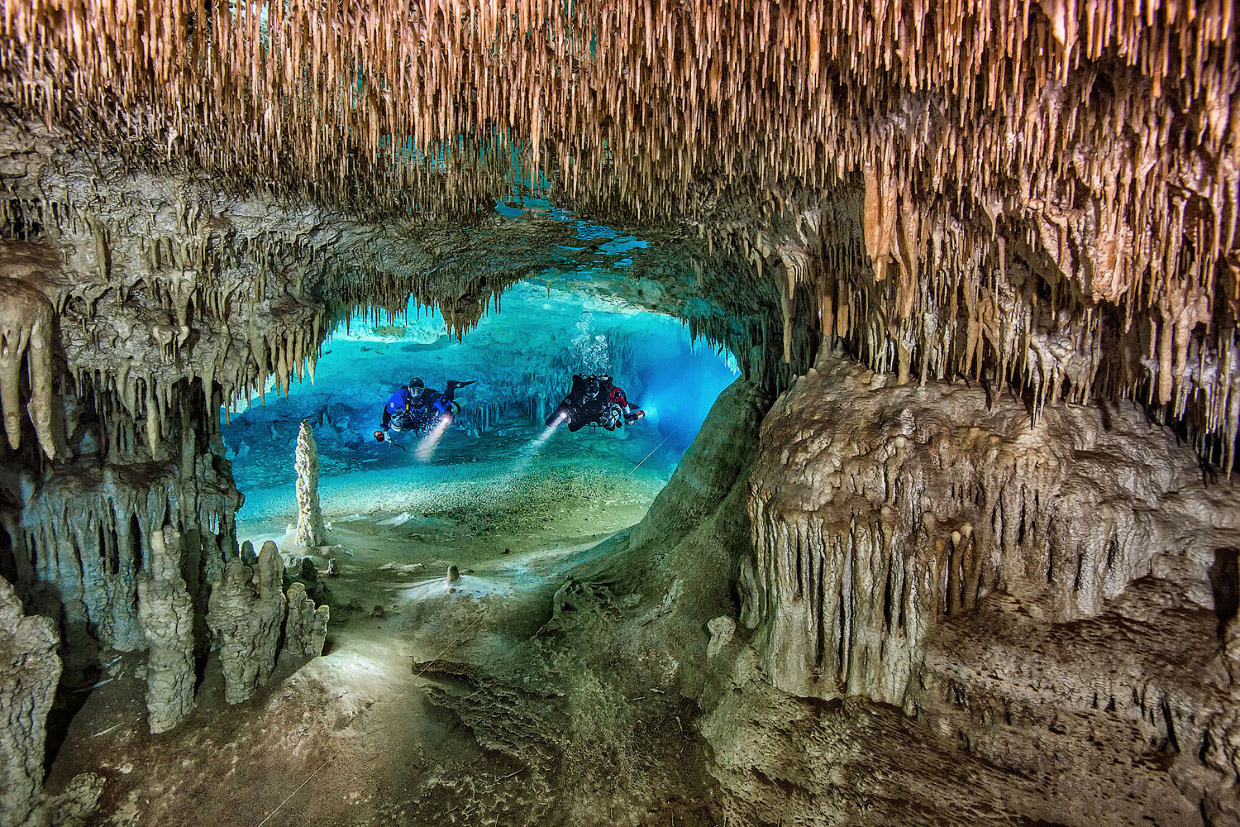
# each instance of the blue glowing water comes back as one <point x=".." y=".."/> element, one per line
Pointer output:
<point x="522" y="360"/>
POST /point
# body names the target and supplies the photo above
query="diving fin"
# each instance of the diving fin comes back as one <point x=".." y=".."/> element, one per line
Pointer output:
<point x="453" y="384"/>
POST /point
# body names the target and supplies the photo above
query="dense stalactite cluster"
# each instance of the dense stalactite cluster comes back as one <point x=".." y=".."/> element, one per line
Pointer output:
<point x="148" y="279"/>
<point x="1090" y="148"/>
<point x="82" y="538"/>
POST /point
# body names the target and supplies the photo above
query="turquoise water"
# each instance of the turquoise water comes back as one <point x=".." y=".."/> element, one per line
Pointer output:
<point x="522" y="360"/>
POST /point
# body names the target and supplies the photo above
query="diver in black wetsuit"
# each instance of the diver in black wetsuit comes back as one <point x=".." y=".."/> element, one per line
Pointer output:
<point x="595" y="400"/>
<point x="418" y="408"/>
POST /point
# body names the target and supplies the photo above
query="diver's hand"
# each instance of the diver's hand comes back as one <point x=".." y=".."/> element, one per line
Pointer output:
<point x="379" y="436"/>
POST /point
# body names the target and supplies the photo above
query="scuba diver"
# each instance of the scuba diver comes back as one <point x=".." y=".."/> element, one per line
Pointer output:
<point x="418" y="408"/>
<point x="595" y="400"/>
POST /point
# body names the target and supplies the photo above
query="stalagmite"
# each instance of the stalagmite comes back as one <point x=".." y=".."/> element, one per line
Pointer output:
<point x="246" y="614"/>
<point x="29" y="672"/>
<point x="305" y="626"/>
<point x="310" y="530"/>
<point x="166" y="612"/>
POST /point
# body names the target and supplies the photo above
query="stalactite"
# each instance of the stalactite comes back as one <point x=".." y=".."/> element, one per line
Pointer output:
<point x="27" y="324"/>
<point x="938" y="501"/>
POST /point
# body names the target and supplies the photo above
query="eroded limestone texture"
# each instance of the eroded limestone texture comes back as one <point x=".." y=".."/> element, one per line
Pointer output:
<point x="305" y="626"/>
<point x="86" y="532"/>
<point x="29" y="672"/>
<point x="166" y="614"/>
<point x="310" y="530"/>
<point x="1053" y="596"/>
<point x="246" y="614"/>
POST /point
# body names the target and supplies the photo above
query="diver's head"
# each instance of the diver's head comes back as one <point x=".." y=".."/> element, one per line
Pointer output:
<point x="416" y="384"/>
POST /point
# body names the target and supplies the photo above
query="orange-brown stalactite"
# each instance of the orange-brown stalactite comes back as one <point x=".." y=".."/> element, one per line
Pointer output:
<point x="1090" y="150"/>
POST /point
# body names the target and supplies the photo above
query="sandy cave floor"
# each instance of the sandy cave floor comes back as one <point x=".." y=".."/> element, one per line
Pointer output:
<point x="367" y="734"/>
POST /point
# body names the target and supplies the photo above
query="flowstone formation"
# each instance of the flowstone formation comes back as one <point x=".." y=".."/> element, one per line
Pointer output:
<point x="310" y="530"/>
<point x="1049" y="593"/>
<point x="29" y="671"/>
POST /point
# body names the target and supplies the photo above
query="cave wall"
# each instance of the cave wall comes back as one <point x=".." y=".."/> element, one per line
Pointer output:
<point x="28" y="680"/>
<point x="1047" y="597"/>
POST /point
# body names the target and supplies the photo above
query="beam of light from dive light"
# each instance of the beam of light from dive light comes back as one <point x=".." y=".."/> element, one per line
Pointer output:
<point x="426" y="447"/>
<point x="546" y="434"/>
<point x="534" y="449"/>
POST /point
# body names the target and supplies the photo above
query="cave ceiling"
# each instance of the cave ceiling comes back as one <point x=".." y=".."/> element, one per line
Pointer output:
<point x="1035" y="194"/>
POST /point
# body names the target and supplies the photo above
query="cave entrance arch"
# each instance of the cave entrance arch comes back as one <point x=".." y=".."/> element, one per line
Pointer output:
<point x="498" y="477"/>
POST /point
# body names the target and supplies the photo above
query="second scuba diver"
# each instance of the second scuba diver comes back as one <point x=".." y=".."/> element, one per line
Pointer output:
<point x="418" y="408"/>
<point x="595" y="400"/>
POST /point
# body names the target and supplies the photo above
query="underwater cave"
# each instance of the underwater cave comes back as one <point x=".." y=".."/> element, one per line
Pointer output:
<point x="502" y="489"/>
<point x="619" y="414"/>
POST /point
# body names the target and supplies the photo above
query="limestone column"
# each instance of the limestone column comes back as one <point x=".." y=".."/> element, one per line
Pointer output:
<point x="166" y="612"/>
<point x="29" y="672"/>
<point x="310" y="531"/>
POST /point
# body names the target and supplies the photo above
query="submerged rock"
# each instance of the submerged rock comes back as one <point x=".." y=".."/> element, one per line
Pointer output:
<point x="29" y="672"/>
<point x="247" y="609"/>
<point x="166" y="612"/>
<point x="305" y="626"/>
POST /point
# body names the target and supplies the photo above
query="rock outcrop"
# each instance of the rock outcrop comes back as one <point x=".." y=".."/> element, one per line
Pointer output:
<point x="246" y="614"/>
<point x="166" y="614"/>
<point x="310" y="529"/>
<point x="29" y="672"/>
<point x="305" y="626"/>
<point x="1049" y="598"/>
<point x="879" y="509"/>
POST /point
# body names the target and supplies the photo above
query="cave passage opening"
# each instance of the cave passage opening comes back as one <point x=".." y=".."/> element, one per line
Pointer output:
<point x="499" y="485"/>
